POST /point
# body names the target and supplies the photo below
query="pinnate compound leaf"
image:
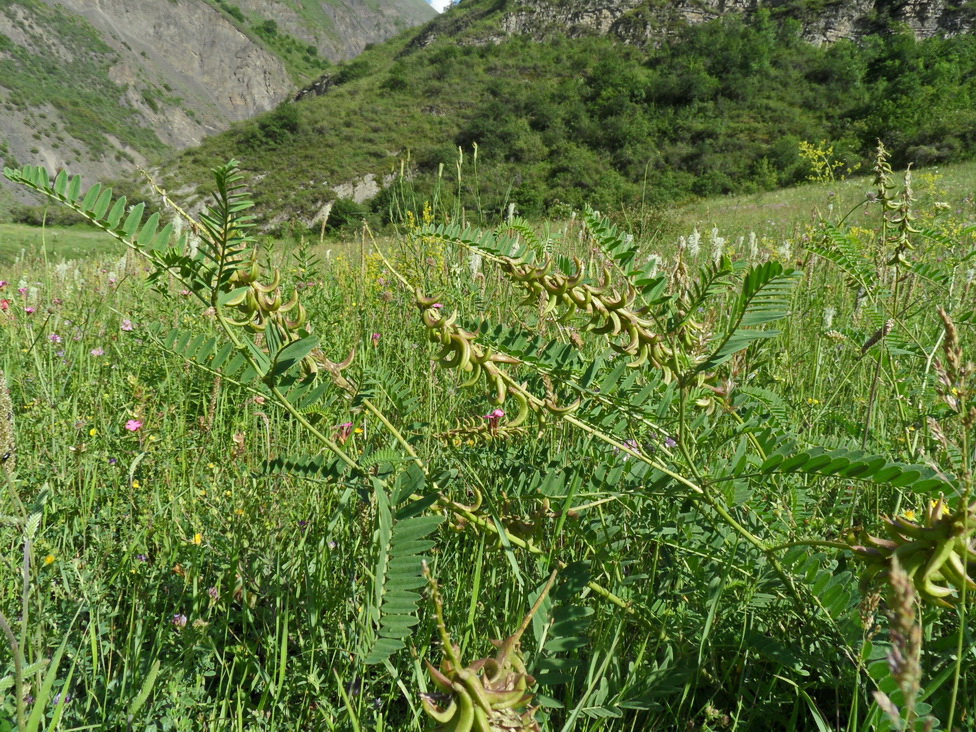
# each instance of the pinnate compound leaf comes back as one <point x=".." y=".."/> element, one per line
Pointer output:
<point x="764" y="298"/>
<point x="855" y="465"/>
<point x="399" y="571"/>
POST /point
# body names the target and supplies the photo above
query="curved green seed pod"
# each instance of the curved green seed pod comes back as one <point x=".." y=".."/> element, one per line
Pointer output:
<point x="475" y="375"/>
<point x="268" y="288"/>
<point x="501" y="390"/>
<point x="555" y="409"/>
<point x="523" y="411"/>
<point x="642" y="355"/>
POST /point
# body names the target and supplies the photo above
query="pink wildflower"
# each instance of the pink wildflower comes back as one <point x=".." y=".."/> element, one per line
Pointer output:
<point x="133" y="425"/>
<point x="126" y="324"/>
<point x="376" y="339"/>
<point x="98" y="351"/>
<point x="54" y="338"/>
<point x="29" y="310"/>
<point x="342" y="434"/>
<point x="494" y="417"/>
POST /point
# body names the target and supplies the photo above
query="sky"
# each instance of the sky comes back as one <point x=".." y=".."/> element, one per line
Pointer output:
<point x="439" y="5"/>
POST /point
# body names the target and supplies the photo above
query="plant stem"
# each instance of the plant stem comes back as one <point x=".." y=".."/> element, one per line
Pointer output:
<point x="967" y="528"/>
<point x="18" y="671"/>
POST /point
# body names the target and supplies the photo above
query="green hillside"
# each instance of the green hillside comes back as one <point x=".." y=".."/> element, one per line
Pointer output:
<point x="723" y="107"/>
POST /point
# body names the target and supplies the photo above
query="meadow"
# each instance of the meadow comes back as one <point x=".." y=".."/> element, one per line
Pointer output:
<point x="715" y="478"/>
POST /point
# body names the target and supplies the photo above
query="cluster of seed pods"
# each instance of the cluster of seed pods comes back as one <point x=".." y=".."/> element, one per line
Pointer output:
<point x="937" y="553"/>
<point x="609" y="312"/>
<point x="261" y="305"/>
<point x="461" y="351"/>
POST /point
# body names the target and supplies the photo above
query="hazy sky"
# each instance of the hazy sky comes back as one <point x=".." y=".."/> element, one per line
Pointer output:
<point x="439" y="4"/>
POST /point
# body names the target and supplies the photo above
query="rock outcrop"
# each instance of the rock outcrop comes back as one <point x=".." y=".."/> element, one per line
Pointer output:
<point x="651" y="21"/>
<point x="216" y="69"/>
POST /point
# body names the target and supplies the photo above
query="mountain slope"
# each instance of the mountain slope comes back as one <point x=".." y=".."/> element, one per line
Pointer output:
<point x="103" y="85"/>
<point x="556" y="118"/>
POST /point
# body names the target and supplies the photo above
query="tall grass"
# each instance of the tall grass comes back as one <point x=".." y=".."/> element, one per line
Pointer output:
<point x="184" y="579"/>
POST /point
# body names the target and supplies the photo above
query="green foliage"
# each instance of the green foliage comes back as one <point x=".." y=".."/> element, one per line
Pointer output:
<point x="347" y="214"/>
<point x="232" y="10"/>
<point x="274" y="129"/>
<point x="689" y="504"/>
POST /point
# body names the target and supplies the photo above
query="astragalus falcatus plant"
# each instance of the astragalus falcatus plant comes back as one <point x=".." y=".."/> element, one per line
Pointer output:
<point x="623" y="422"/>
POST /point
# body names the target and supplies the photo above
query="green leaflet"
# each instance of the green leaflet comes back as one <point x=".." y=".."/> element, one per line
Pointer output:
<point x="132" y="221"/>
<point x="497" y="243"/>
<point x="98" y="208"/>
<point x="203" y="352"/>
<point x="317" y="467"/>
<point x="562" y="627"/>
<point x="845" y="252"/>
<point x="292" y="354"/>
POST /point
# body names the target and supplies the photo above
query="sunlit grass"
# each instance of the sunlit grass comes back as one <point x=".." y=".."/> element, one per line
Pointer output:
<point x="252" y="591"/>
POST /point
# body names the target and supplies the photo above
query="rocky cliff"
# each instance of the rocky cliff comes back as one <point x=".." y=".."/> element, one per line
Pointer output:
<point x="341" y="29"/>
<point x="100" y="86"/>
